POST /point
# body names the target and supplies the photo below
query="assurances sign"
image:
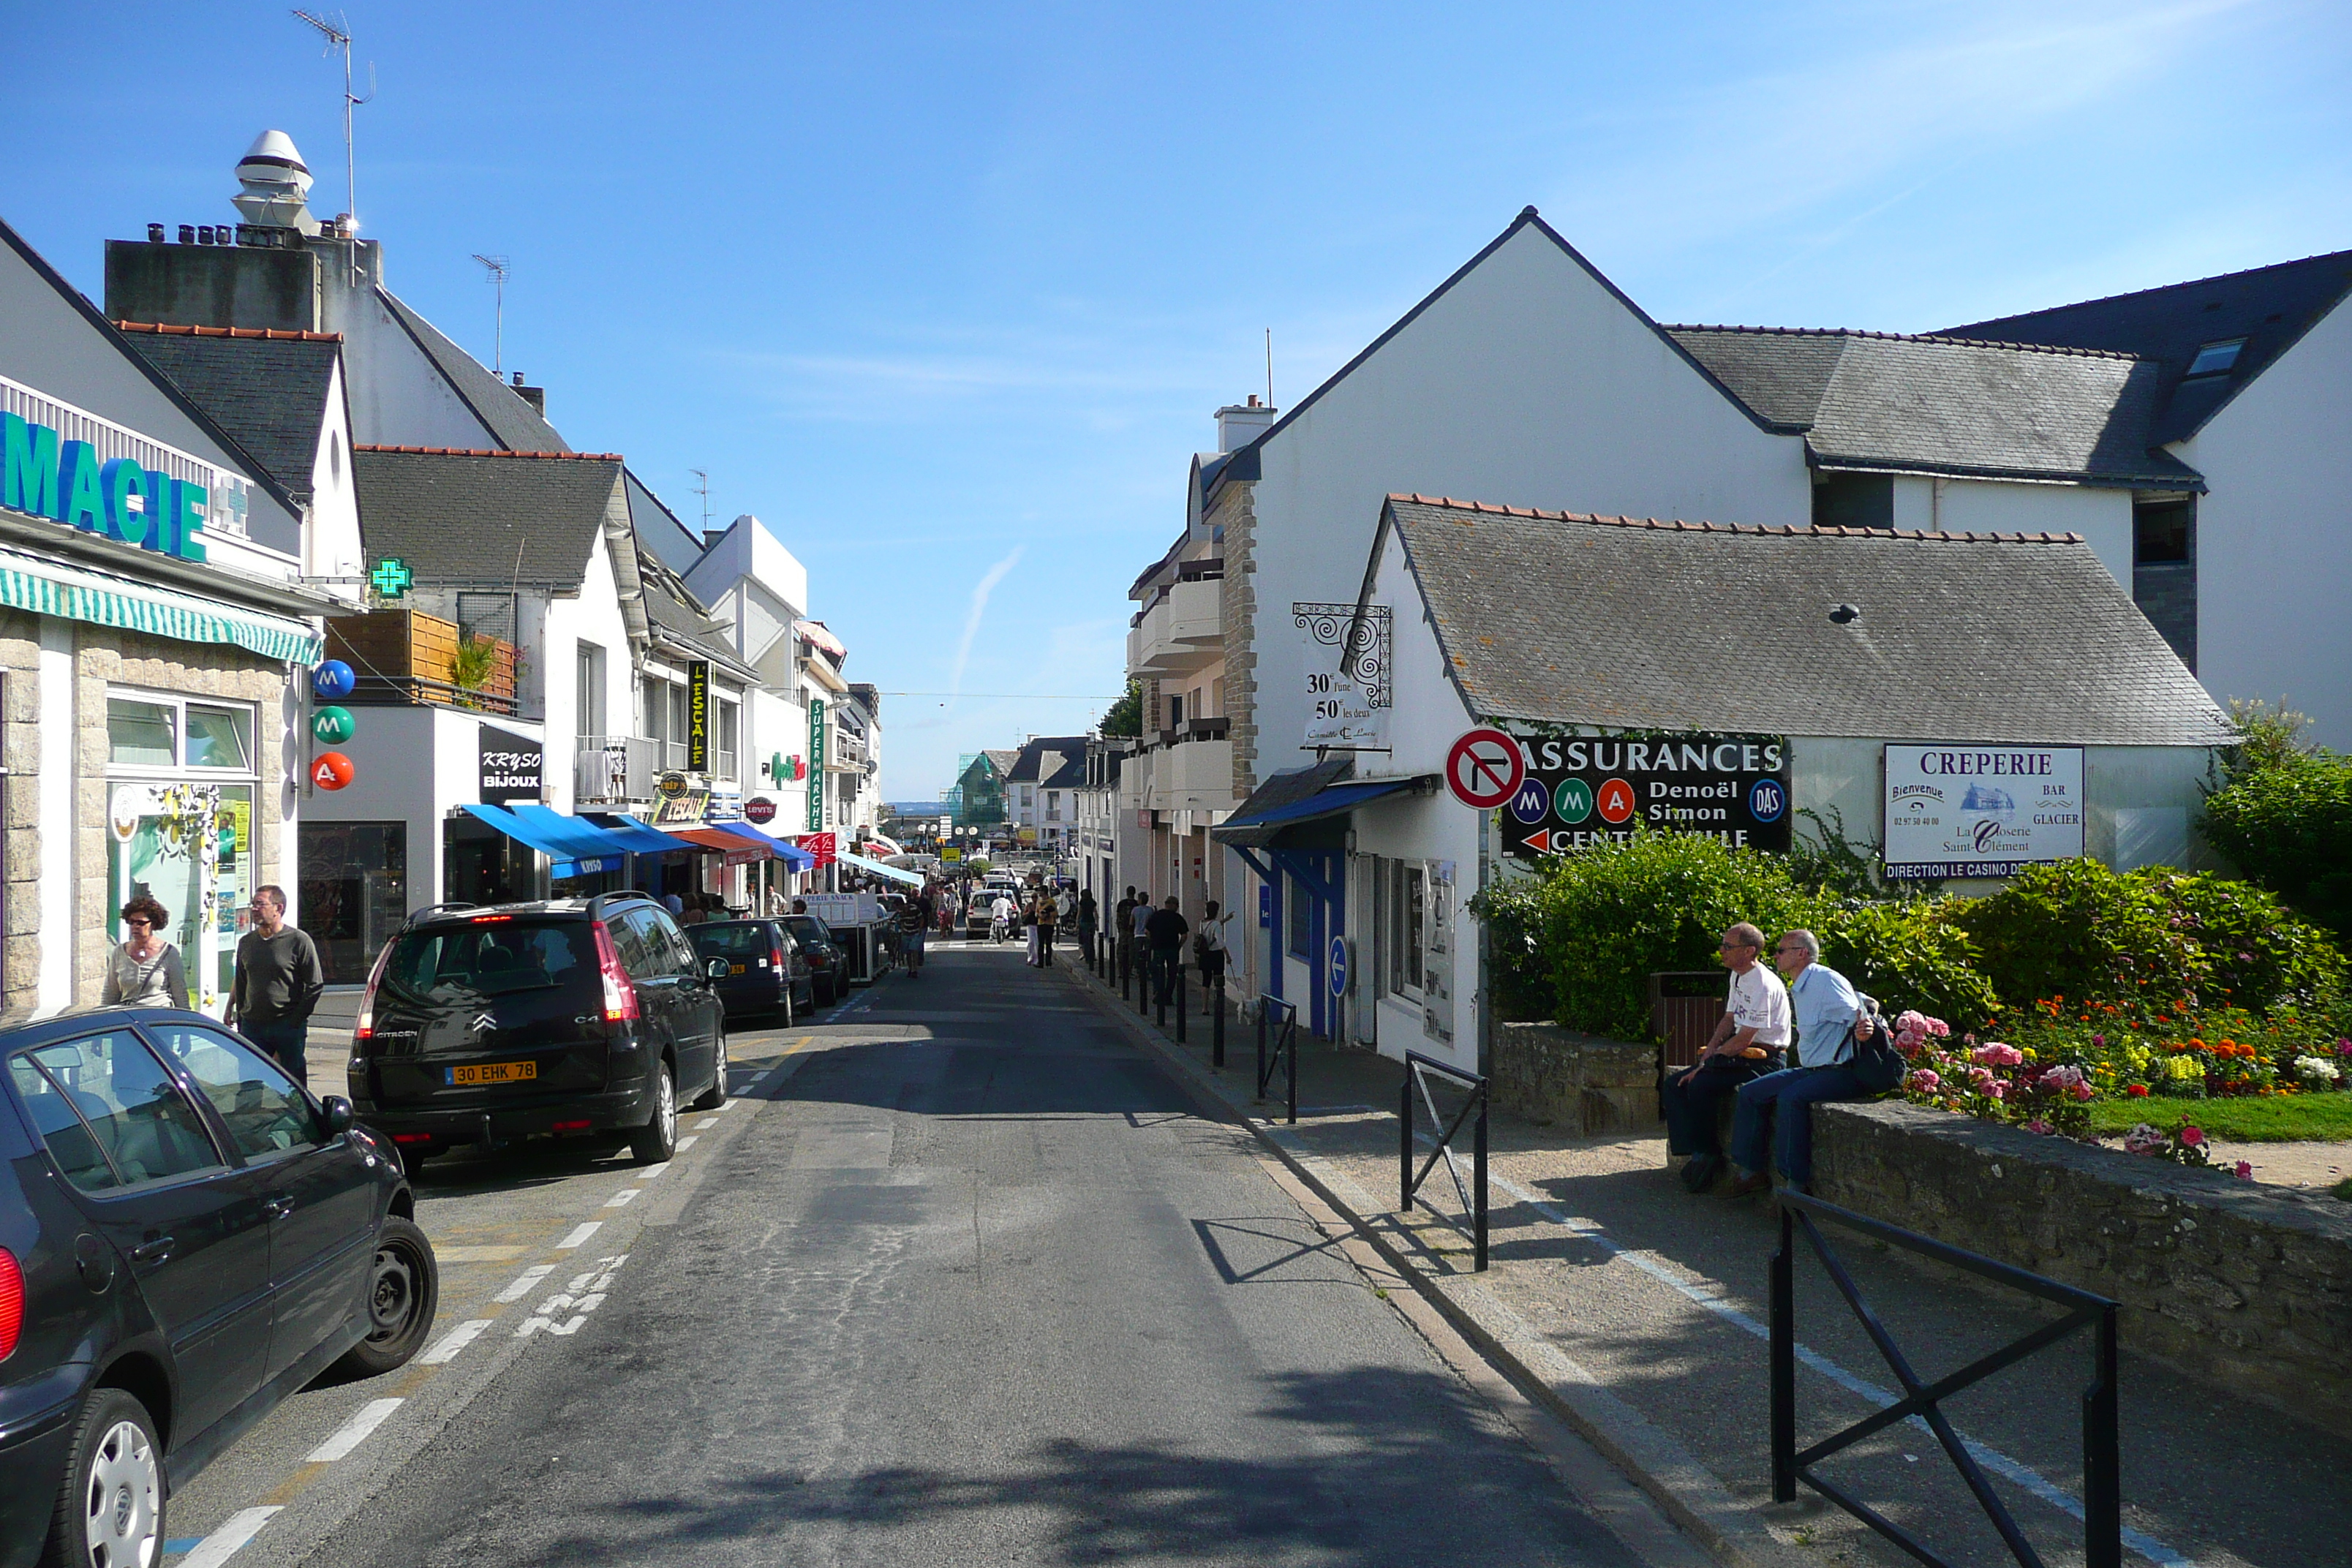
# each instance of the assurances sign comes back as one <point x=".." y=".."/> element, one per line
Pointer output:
<point x="1586" y="790"/>
<point x="1973" y="810"/>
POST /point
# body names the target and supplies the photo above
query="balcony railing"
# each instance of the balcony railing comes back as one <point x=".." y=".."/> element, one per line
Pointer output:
<point x="1181" y="630"/>
<point x="407" y="656"/>
<point x="616" y="768"/>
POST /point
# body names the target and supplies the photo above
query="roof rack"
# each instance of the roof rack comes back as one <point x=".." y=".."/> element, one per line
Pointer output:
<point x="416" y="915"/>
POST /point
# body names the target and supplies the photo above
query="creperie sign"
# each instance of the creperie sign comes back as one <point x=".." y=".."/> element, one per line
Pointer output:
<point x="43" y="476"/>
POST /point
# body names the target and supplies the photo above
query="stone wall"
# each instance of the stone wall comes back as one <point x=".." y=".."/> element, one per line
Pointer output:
<point x="20" y="750"/>
<point x="1237" y="609"/>
<point x="1560" y="1078"/>
<point x="2250" y="1287"/>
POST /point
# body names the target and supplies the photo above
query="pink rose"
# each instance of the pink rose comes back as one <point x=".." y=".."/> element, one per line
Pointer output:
<point x="2242" y="1170"/>
<point x="1937" y="1027"/>
<point x="1924" y="1083"/>
<point x="2190" y="1137"/>
<point x="2083" y="1092"/>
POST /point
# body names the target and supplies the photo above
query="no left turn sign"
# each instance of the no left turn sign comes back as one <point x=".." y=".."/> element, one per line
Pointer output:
<point x="1485" y="768"/>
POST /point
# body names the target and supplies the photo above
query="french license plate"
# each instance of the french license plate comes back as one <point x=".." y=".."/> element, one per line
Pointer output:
<point x="734" y="969"/>
<point x="492" y="1072"/>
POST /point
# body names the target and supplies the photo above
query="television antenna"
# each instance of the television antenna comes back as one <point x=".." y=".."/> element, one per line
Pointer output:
<point x="702" y="488"/>
<point x="338" y="37"/>
<point x="496" y="266"/>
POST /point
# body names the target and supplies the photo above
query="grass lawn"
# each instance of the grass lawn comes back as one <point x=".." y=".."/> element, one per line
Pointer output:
<point x="2282" y="1119"/>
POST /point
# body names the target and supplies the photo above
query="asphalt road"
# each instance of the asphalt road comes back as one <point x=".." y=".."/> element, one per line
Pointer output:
<point x="975" y="1283"/>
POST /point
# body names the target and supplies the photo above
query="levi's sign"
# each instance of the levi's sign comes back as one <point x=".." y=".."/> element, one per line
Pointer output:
<point x="1582" y="791"/>
<point x="43" y="476"/>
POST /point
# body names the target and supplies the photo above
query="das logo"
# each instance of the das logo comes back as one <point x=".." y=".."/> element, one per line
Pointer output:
<point x="1615" y="802"/>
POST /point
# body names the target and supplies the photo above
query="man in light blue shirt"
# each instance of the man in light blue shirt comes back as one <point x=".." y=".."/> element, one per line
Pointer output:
<point x="1826" y="1010"/>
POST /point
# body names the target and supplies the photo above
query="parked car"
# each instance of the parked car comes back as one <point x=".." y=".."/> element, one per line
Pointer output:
<point x="186" y="1237"/>
<point x="828" y="965"/>
<point x="767" y="973"/>
<point x="570" y="1015"/>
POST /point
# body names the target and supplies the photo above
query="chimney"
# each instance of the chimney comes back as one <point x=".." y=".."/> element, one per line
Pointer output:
<point x="534" y="396"/>
<point x="1239" y="423"/>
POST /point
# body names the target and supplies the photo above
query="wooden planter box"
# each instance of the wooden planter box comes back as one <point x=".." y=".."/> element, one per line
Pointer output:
<point x="408" y="655"/>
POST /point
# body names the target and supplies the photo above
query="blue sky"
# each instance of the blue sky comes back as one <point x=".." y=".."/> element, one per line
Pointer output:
<point x="946" y="294"/>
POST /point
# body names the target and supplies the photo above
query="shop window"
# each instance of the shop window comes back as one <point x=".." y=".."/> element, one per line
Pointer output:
<point x="355" y="892"/>
<point x="143" y="733"/>
<point x="1297" y="921"/>
<point x="1408" y="907"/>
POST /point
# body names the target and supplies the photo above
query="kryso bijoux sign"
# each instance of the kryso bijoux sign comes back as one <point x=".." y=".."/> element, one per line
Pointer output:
<point x="1581" y="791"/>
<point x="1981" y="811"/>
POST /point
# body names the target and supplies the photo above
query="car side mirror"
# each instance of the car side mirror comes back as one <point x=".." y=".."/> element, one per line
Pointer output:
<point x="716" y="968"/>
<point x="338" y="1114"/>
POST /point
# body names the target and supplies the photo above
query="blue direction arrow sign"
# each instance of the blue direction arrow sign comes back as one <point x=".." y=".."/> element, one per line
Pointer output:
<point x="1338" y="966"/>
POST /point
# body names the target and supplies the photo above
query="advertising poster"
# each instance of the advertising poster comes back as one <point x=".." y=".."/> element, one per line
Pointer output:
<point x="1584" y="790"/>
<point x="1347" y="675"/>
<point x="1981" y="811"/>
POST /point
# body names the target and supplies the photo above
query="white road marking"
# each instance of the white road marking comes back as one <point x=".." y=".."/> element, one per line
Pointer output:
<point x="1705" y="1292"/>
<point x="526" y="1282"/>
<point x="453" y="1341"/>
<point x="706" y="1121"/>
<point x="224" y="1544"/>
<point x="573" y="1302"/>
<point x="477" y="1254"/>
<point x="580" y="1235"/>
<point x="366" y="1419"/>
<point x="689" y="1142"/>
<point x="650" y="1172"/>
<point x="622" y="1198"/>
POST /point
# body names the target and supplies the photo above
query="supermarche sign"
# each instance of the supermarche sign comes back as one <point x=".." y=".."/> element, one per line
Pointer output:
<point x="1981" y="811"/>
<point x="43" y="476"/>
<point x="1583" y="791"/>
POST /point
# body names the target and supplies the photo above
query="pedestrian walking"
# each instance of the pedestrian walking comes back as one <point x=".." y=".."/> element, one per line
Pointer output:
<point x="1826" y="1010"/>
<point x="1049" y="920"/>
<point x="1209" y="943"/>
<point x="1087" y="923"/>
<point x="1750" y="1040"/>
<point x="145" y="971"/>
<point x="914" y="922"/>
<point x="277" y="984"/>
<point x="1163" y="931"/>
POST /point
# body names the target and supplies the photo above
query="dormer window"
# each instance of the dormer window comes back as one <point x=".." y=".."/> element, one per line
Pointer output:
<point x="2213" y="359"/>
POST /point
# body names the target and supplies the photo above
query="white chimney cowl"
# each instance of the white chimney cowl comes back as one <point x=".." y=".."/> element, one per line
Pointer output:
<point x="1239" y="423"/>
<point x="276" y="185"/>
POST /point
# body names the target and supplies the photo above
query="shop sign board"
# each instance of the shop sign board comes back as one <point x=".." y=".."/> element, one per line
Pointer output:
<point x="1973" y="810"/>
<point x="824" y="846"/>
<point x="759" y="810"/>
<point x="510" y="766"/>
<point x="684" y="809"/>
<point x="65" y="481"/>
<point x="1581" y="791"/>
<point x="1345" y="658"/>
<point x="816" y="764"/>
<point x="697" y="716"/>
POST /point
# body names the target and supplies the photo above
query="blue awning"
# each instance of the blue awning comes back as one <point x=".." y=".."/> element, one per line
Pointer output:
<point x="562" y="839"/>
<point x="1250" y="827"/>
<point x="632" y="835"/>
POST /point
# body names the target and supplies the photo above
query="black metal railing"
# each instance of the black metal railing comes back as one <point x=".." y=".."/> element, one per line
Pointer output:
<point x="1922" y="1400"/>
<point x="1282" y="1018"/>
<point x="1417" y="1069"/>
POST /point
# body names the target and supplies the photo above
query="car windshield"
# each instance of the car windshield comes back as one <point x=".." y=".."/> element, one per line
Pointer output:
<point x="808" y="928"/>
<point x="748" y="937"/>
<point x="446" y="962"/>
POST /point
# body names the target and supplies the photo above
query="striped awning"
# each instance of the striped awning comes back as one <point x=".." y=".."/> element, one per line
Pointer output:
<point x="46" y="588"/>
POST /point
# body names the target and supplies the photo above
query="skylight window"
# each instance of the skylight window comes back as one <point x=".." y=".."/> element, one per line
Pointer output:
<point x="2213" y="359"/>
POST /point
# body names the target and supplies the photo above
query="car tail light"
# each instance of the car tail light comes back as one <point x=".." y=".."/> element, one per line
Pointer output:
<point x="364" y="1026"/>
<point x="571" y="1126"/>
<point x="412" y="1137"/>
<point x="776" y="956"/>
<point x="620" y="991"/>
<point x="11" y="1302"/>
<point x="492" y="920"/>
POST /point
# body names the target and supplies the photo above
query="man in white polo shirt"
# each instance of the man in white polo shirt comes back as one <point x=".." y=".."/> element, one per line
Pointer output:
<point x="1750" y="1040"/>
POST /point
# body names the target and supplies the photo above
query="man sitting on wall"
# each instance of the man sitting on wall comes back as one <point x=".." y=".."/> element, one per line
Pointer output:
<point x="1750" y="1040"/>
<point x="1827" y="1011"/>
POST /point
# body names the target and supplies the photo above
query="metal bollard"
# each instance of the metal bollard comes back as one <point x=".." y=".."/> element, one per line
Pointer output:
<point x="1179" y="1003"/>
<point x="1143" y="984"/>
<point x="1217" y="1021"/>
<point x="1123" y="967"/>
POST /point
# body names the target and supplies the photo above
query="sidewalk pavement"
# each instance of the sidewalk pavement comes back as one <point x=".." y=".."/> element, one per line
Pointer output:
<point x="1639" y="1312"/>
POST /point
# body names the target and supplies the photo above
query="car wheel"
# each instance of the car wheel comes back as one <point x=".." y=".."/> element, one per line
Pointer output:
<point x="111" y="1510"/>
<point x="657" y="1140"/>
<point x="403" y="1295"/>
<point x="717" y="1094"/>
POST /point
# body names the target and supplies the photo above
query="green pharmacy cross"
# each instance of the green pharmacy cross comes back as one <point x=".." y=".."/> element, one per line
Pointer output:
<point x="392" y="577"/>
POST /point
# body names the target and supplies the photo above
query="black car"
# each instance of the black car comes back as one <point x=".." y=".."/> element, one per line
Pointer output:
<point x="573" y="1016"/>
<point x="767" y="973"/>
<point x="186" y="1237"/>
<point x="828" y="965"/>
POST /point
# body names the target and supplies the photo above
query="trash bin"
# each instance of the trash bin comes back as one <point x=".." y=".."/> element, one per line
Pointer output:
<point x="1684" y="1007"/>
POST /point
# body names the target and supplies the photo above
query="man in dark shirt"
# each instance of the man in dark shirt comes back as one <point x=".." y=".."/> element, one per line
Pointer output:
<point x="1165" y="930"/>
<point x="277" y="985"/>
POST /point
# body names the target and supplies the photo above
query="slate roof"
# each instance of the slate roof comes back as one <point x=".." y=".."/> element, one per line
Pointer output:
<point x="511" y="422"/>
<point x="470" y="516"/>
<point x="1001" y="761"/>
<point x="672" y="607"/>
<point x="1030" y="758"/>
<point x="2270" y="306"/>
<point x="1071" y="774"/>
<point x="267" y="389"/>
<point x="1633" y="624"/>
<point x="1939" y="405"/>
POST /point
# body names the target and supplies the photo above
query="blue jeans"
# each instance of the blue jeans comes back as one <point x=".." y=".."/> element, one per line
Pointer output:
<point x="1690" y="1108"/>
<point x="1788" y="1098"/>
<point x="284" y="1044"/>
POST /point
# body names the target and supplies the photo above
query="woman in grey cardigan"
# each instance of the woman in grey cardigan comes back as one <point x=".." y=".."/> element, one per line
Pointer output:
<point x="145" y="971"/>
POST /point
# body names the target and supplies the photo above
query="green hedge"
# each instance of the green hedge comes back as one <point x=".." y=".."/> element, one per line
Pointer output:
<point x="2288" y="824"/>
<point x="1911" y="954"/>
